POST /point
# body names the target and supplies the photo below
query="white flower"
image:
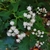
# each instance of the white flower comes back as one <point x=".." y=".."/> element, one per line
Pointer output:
<point x="28" y="28"/>
<point x="16" y="31"/>
<point x="20" y="37"/>
<point x="33" y="33"/>
<point x="8" y="34"/>
<point x="29" y="8"/>
<point x="41" y="43"/>
<point x="18" y="40"/>
<point x="38" y="31"/>
<point x="30" y="12"/>
<point x="10" y="31"/>
<point x="25" y="14"/>
<point x="13" y="34"/>
<point x="38" y="42"/>
<point x="42" y="32"/>
<point x="38" y="35"/>
<point x="28" y="16"/>
<point x="48" y="23"/>
<point x="37" y="7"/>
<point x="24" y="24"/>
<point x="11" y="22"/>
<point x="36" y="45"/>
<point x="45" y="14"/>
<point x="32" y="20"/>
<point x="23" y="35"/>
<point x="34" y="29"/>
<point x="41" y="36"/>
<point x="33" y="14"/>
<point x="13" y="28"/>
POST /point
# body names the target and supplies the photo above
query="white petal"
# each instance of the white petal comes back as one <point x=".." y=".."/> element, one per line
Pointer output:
<point x="28" y="16"/>
<point x="13" y="34"/>
<point x="33" y="33"/>
<point x="34" y="29"/>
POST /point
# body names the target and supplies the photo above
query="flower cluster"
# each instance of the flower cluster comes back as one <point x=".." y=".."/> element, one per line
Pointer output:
<point x="30" y="16"/>
<point x="41" y="11"/>
<point x="38" y="33"/>
<point x="39" y="44"/>
<point x="13" y="31"/>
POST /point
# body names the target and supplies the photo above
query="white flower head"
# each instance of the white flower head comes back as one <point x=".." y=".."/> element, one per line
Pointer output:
<point x="16" y="31"/>
<point x="45" y="15"/>
<point x="36" y="44"/>
<point x="25" y="14"/>
<point x="12" y="23"/>
<point x="28" y="28"/>
<point x="8" y="34"/>
<point x="9" y="30"/>
<point x="33" y="14"/>
<point x="38" y="8"/>
<point x="28" y="16"/>
<point x="42" y="32"/>
<point x="13" y="28"/>
<point x="33" y="33"/>
<point x="41" y="36"/>
<point x="34" y="29"/>
<point x="29" y="8"/>
<point x="32" y="20"/>
<point x="18" y="40"/>
<point x="13" y="34"/>
<point x="41" y="43"/>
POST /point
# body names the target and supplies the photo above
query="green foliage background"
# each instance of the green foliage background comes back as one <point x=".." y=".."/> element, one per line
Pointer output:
<point x="13" y="10"/>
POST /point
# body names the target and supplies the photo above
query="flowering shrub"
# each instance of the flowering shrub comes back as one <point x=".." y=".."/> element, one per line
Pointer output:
<point x="24" y="25"/>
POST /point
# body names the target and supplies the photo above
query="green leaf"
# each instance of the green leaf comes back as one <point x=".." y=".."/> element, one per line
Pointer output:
<point x="24" y="45"/>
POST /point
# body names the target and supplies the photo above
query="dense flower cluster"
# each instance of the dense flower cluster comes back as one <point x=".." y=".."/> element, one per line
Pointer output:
<point x="13" y="31"/>
<point x="39" y="44"/>
<point x="30" y="15"/>
<point x="41" y="11"/>
<point x="38" y="33"/>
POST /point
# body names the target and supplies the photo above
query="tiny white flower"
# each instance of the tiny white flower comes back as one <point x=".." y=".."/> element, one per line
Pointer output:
<point x="13" y="28"/>
<point x="41" y="36"/>
<point x="16" y="31"/>
<point x="38" y="42"/>
<point x="24" y="24"/>
<point x="32" y="20"/>
<point x="41" y="43"/>
<point x="38" y="8"/>
<point x="28" y="28"/>
<point x="23" y="35"/>
<point x="20" y="37"/>
<point x="30" y="12"/>
<point x="11" y="22"/>
<point x="28" y="16"/>
<point x="33" y="33"/>
<point x="10" y="30"/>
<point x="42" y="32"/>
<point x="45" y="14"/>
<point x="34" y="29"/>
<point x="45" y="11"/>
<point x="48" y="23"/>
<point x="8" y="34"/>
<point x="13" y="34"/>
<point x="38" y="31"/>
<point x="25" y="14"/>
<point x="33" y="14"/>
<point x="38" y="35"/>
<point x="29" y="8"/>
<point x="18" y="40"/>
<point x="36" y="45"/>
